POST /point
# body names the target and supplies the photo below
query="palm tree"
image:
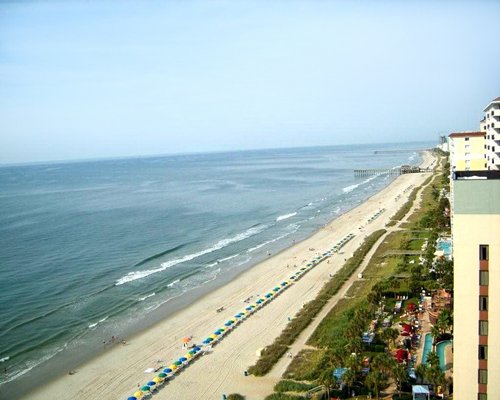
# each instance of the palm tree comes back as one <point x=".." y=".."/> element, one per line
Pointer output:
<point x="436" y="376"/>
<point x="400" y="375"/>
<point x="326" y="379"/>
<point x="421" y="372"/>
<point x="390" y="335"/>
<point x="355" y="345"/>
<point x="348" y="378"/>
<point x="433" y="359"/>
<point x="375" y="381"/>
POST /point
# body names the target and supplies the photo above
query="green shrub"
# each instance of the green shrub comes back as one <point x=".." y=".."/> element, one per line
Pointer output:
<point x="235" y="396"/>
<point x="292" y="386"/>
<point x="283" y="396"/>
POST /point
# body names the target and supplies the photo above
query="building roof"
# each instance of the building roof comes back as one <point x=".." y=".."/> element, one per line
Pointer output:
<point x="465" y="134"/>
<point x="497" y="100"/>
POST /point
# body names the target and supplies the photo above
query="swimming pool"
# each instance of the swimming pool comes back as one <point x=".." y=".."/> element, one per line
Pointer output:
<point x="440" y="349"/>
<point x="445" y="246"/>
<point x="427" y="347"/>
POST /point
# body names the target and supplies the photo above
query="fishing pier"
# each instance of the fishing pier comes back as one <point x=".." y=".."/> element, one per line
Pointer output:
<point x="404" y="169"/>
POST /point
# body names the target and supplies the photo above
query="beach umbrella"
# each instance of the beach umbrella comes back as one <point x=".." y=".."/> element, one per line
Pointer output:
<point x="276" y="289"/>
<point x="157" y="379"/>
<point x="145" y="388"/>
<point x="182" y="359"/>
<point x="188" y="356"/>
<point x="212" y="336"/>
<point x="259" y="301"/>
<point x="138" y="394"/>
<point x="269" y="295"/>
<point x="173" y="367"/>
<point x="162" y="375"/>
<point x="132" y="398"/>
<point x="151" y="383"/>
<point x="197" y="348"/>
<point x="248" y="308"/>
<point x="167" y="370"/>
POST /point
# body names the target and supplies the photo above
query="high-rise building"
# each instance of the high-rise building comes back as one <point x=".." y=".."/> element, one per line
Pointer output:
<point x="492" y="130"/>
<point x="476" y="254"/>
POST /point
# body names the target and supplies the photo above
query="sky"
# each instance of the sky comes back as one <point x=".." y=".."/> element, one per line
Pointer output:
<point x="100" y="79"/>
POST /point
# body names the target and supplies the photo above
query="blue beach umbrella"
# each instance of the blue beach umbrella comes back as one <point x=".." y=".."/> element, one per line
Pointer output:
<point x="182" y="359"/>
<point x="132" y="398"/>
<point x="151" y="383"/>
<point x="167" y="371"/>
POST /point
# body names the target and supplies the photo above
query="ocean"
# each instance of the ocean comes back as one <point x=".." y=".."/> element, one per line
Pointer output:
<point x="95" y="249"/>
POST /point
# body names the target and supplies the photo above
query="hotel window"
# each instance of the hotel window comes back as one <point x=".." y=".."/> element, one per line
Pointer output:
<point x="483" y="303"/>
<point x="483" y="278"/>
<point x="483" y="376"/>
<point x="483" y="251"/>
<point x="482" y="396"/>
<point x="483" y="352"/>
<point x="483" y="328"/>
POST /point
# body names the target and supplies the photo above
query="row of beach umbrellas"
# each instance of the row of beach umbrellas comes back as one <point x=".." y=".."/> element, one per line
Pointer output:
<point x="376" y="215"/>
<point x="230" y="324"/>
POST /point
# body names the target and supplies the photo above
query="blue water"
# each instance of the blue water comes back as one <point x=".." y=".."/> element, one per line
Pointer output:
<point x="445" y="246"/>
<point x="94" y="249"/>
<point x="427" y="347"/>
<point x="440" y="348"/>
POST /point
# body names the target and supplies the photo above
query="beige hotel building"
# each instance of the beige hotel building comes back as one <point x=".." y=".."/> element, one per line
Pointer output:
<point x="476" y="254"/>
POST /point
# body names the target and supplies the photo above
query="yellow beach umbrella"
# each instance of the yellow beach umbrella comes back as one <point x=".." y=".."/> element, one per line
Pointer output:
<point x="173" y="367"/>
<point x="157" y="380"/>
<point x="213" y="336"/>
<point x="188" y="356"/>
<point x="138" y="394"/>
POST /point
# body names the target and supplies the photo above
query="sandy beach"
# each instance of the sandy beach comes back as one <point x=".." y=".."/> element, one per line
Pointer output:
<point x="117" y="373"/>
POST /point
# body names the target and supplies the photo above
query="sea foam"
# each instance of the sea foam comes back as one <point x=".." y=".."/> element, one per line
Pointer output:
<point x="135" y="275"/>
<point x="286" y="216"/>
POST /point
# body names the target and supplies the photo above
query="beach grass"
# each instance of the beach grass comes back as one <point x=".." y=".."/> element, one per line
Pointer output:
<point x="272" y="353"/>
